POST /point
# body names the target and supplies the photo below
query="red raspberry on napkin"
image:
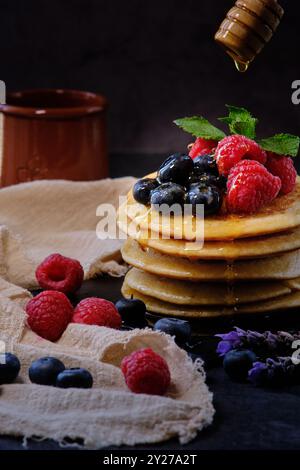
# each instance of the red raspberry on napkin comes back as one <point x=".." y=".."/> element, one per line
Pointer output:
<point x="49" y="314"/>
<point x="60" y="273"/>
<point x="95" y="311"/>
<point x="146" y="372"/>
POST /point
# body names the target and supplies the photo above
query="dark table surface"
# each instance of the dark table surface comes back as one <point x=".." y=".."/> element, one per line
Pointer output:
<point x="246" y="417"/>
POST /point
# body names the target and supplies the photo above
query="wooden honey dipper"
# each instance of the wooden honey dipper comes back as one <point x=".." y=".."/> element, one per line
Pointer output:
<point x="248" y="26"/>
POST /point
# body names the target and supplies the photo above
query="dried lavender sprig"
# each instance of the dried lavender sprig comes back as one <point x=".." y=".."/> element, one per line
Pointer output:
<point x="275" y="372"/>
<point x="279" y="343"/>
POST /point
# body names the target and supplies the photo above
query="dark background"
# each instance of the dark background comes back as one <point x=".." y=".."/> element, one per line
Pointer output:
<point x="155" y="60"/>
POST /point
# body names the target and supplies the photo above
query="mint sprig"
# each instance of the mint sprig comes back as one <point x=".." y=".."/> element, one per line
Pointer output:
<point x="198" y="126"/>
<point x="282" y="144"/>
<point x="240" y="121"/>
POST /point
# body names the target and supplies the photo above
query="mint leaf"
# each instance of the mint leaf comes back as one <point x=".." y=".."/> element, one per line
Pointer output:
<point x="283" y="144"/>
<point x="198" y="126"/>
<point x="240" y="121"/>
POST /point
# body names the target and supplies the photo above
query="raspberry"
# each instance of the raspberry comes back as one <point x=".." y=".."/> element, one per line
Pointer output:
<point x="234" y="148"/>
<point x="95" y="311"/>
<point x="60" y="273"/>
<point x="49" y="314"/>
<point x="202" y="147"/>
<point x="282" y="166"/>
<point x="250" y="186"/>
<point x="146" y="372"/>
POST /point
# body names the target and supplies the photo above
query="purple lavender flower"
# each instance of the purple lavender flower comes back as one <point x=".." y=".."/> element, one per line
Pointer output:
<point x="274" y="372"/>
<point x="262" y="344"/>
<point x="229" y="341"/>
<point x="257" y="374"/>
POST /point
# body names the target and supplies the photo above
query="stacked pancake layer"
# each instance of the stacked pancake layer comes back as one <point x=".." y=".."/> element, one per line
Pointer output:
<point x="247" y="264"/>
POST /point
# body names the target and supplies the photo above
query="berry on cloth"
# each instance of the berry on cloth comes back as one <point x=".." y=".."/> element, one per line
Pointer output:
<point x="77" y="377"/>
<point x="180" y="329"/>
<point x="96" y="311"/>
<point x="202" y="147"/>
<point x="283" y="167"/>
<point x="45" y="370"/>
<point x="146" y="372"/>
<point x="9" y="368"/>
<point x="250" y="186"/>
<point x="60" y="273"/>
<point x="238" y="362"/>
<point x="49" y="314"/>
<point x="132" y="311"/>
<point x="234" y="148"/>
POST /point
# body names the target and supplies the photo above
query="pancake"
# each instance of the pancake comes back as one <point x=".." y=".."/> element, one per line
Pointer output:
<point x="205" y="293"/>
<point x="243" y="248"/>
<point x="156" y="306"/>
<point x="284" y="266"/>
<point x="280" y="215"/>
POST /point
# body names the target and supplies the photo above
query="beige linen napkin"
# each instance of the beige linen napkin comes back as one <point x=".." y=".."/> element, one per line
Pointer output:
<point x="44" y="217"/>
<point x="108" y="414"/>
<point x="59" y="216"/>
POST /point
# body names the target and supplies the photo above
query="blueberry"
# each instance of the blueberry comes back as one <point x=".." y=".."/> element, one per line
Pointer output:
<point x="209" y="179"/>
<point x="75" y="377"/>
<point x="176" y="169"/>
<point x="168" y="193"/>
<point x="181" y="329"/>
<point x="9" y="368"/>
<point x="45" y="370"/>
<point x="205" y="164"/>
<point x="142" y="190"/>
<point x="238" y="362"/>
<point x="209" y="196"/>
<point x="132" y="311"/>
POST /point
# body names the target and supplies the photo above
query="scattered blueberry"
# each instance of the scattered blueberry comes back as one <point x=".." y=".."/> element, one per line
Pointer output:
<point x="45" y="370"/>
<point x="75" y="377"/>
<point x="176" y="169"/>
<point x="238" y="362"/>
<point x="169" y="194"/>
<point x="209" y="196"/>
<point x="132" y="311"/>
<point x="205" y="164"/>
<point x="181" y="329"/>
<point x="142" y="190"/>
<point x="9" y="368"/>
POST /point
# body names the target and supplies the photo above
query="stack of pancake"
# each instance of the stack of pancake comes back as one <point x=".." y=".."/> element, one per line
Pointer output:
<point x="247" y="264"/>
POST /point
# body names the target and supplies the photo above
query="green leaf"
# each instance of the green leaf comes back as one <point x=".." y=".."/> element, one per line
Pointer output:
<point x="240" y="121"/>
<point x="198" y="126"/>
<point x="283" y="144"/>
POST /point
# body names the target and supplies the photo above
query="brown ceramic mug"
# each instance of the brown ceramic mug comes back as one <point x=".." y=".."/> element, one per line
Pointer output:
<point x="53" y="134"/>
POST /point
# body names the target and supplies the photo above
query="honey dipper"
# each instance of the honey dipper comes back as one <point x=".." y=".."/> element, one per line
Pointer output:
<point x="248" y="26"/>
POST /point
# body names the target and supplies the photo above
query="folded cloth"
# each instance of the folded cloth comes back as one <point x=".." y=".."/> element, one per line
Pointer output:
<point x="60" y="216"/>
<point x="43" y="217"/>
<point x="108" y="414"/>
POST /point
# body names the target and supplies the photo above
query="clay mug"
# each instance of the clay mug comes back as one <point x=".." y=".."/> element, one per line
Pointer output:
<point x="53" y="134"/>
